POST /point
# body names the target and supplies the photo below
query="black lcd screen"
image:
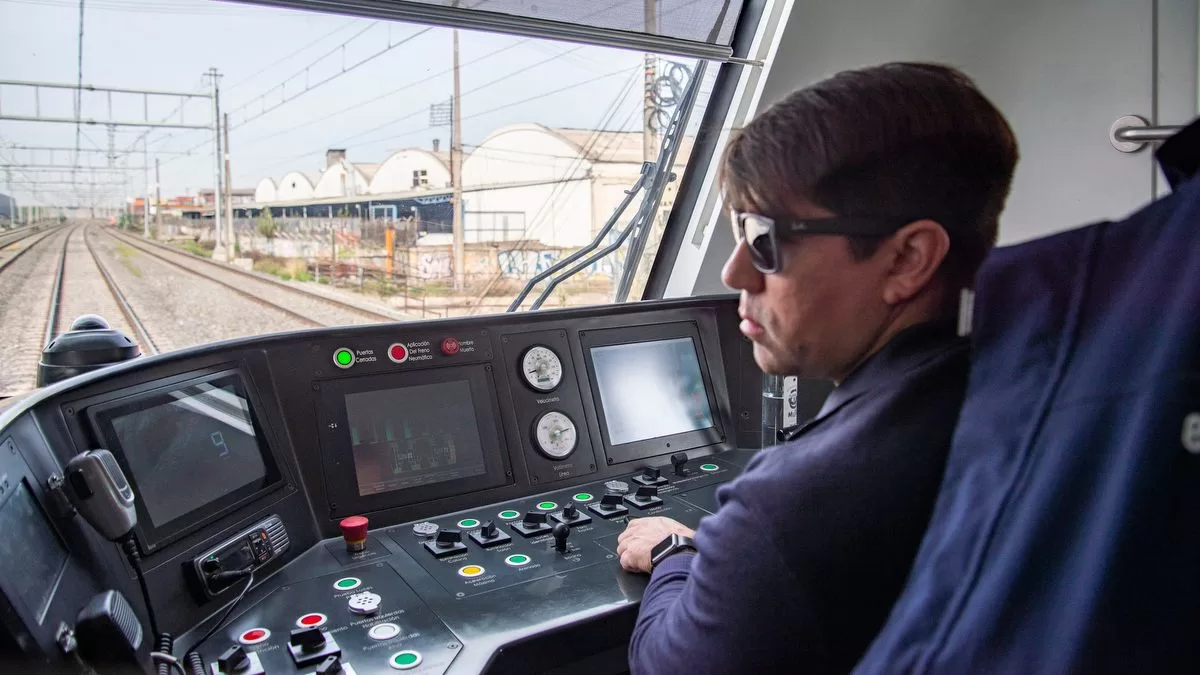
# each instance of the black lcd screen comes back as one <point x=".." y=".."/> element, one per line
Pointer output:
<point x="415" y="435"/>
<point x="31" y="556"/>
<point x="190" y="451"/>
<point x="651" y="389"/>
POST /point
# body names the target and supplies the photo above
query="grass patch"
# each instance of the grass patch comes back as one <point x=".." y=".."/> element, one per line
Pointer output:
<point x="302" y="275"/>
<point x="125" y="254"/>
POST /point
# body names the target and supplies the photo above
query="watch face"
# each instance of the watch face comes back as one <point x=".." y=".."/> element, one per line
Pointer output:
<point x="662" y="546"/>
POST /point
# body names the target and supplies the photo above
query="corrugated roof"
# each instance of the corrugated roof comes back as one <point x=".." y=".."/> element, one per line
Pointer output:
<point x="368" y="170"/>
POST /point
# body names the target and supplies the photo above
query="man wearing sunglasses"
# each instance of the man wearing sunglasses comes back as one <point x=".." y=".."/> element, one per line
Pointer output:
<point x="861" y="206"/>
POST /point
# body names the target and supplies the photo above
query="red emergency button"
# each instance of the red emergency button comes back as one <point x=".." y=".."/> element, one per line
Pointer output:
<point x="398" y="353"/>
<point x="354" y="531"/>
<point x="310" y="620"/>
<point x="254" y="636"/>
<point x="449" y="346"/>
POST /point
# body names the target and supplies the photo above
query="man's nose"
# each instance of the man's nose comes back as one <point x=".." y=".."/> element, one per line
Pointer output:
<point x="739" y="274"/>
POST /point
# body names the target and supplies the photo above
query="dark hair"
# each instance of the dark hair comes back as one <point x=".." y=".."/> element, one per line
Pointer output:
<point x="909" y="140"/>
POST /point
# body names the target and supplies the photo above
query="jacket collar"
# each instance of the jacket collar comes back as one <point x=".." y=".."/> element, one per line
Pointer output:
<point x="908" y="350"/>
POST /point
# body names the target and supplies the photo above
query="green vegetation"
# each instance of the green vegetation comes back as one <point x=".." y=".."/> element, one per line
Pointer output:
<point x="126" y="254"/>
<point x="303" y="275"/>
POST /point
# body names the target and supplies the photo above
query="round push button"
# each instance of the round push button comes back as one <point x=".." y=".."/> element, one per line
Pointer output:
<point x="398" y="353"/>
<point x="384" y="631"/>
<point x="405" y="660"/>
<point x="509" y="514"/>
<point x="709" y="467"/>
<point x="343" y="358"/>
<point x="517" y="560"/>
<point x="582" y="497"/>
<point x="547" y="506"/>
<point x="449" y="346"/>
<point x="254" y="636"/>
<point x="468" y="524"/>
<point x="365" y="603"/>
<point x="347" y="583"/>
<point x="311" y="620"/>
<point x="470" y="571"/>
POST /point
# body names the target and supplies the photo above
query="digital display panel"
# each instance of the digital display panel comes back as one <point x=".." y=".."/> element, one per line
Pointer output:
<point x="31" y="556"/>
<point x="651" y="389"/>
<point x="415" y="435"/>
<point x="189" y="451"/>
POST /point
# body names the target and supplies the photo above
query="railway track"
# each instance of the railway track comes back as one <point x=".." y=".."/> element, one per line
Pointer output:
<point x="310" y="308"/>
<point x="29" y="236"/>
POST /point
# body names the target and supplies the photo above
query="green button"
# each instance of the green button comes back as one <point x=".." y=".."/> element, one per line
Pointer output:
<point x="343" y="358"/>
<point x="405" y="660"/>
<point x="509" y="514"/>
<point x="547" y="506"/>
<point x="347" y="583"/>
<point x="516" y="560"/>
<point x="709" y="467"/>
<point x="468" y="523"/>
<point x="583" y="497"/>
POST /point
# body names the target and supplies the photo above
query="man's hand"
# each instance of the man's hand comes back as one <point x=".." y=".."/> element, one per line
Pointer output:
<point x="641" y="535"/>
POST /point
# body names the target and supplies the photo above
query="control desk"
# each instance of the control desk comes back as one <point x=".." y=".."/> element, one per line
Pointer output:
<point x="436" y="496"/>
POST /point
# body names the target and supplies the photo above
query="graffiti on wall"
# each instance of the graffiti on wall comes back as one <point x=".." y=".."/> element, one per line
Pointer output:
<point x="434" y="265"/>
<point x="526" y="264"/>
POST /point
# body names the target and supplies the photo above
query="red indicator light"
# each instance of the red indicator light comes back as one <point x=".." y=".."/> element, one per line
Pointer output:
<point x="398" y="353"/>
<point x="312" y="620"/>
<point x="253" y="635"/>
<point x="449" y="346"/>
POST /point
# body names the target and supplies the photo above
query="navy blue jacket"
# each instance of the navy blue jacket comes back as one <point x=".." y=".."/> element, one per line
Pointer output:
<point x="812" y="543"/>
<point x="1067" y="534"/>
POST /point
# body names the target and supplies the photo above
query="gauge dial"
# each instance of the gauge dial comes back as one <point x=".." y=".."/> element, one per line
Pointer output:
<point x="541" y="368"/>
<point x="555" y="435"/>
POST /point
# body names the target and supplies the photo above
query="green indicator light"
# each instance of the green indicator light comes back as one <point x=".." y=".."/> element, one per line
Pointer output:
<point x="582" y="497"/>
<point x="344" y="358"/>
<point x="547" y="506"/>
<point x="709" y="467"/>
<point x="517" y="560"/>
<point x="406" y="660"/>
<point x="509" y="515"/>
<point x="468" y="523"/>
<point x="346" y="584"/>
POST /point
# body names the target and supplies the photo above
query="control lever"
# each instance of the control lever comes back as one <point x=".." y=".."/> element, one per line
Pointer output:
<point x="569" y="511"/>
<point x="312" y="645"/>
<point x="307" y="639"/>
<point x="330" y="666"/>
<point x="561" y="531"/>
<point x="488" y="531"/>
<point x="232" y="660"/>
<point x="448" y="538"/>
<point x="679" y="460"/>
<point x="651" y="473"/>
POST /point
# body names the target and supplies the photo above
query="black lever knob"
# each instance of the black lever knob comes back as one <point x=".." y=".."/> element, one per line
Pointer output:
<point x="610" y="500"/>
<point x="448" y="538"/>
<point x="561" y="531"/>
<point x="330" y="666"/>
<point x="679" y="460"/>
<point x="569" y="511"/>
<point x="233" y="660"/>
<point x="651" y="473"/>
<point x="534" y="518"/>
<point x="646" y="492"/>
<point x="488" y="531"/>
<point x="310" y="639"/>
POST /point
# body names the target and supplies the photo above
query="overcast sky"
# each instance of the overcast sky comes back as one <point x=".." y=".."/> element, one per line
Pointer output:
<point x="268" y="55"/>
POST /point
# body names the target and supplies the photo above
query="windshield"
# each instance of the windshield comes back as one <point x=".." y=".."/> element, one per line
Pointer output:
<point x="376" y="170"/>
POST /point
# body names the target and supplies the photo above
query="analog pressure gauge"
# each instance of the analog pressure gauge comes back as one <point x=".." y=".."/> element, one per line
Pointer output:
<point x="555" y="435"/>
<point x="541" y="368"/>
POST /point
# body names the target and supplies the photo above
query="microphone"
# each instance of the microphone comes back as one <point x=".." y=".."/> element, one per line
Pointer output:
<point x="101" y="493"/>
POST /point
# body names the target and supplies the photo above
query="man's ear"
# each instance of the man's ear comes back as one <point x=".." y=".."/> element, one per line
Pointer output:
<point x="916" y="252"/>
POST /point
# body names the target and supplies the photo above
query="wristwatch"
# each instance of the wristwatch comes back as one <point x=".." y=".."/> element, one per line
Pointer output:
<point x="674" y="543"/>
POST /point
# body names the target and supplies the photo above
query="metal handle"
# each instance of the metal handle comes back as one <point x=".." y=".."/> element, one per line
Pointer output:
<point x="1131" y="133"/>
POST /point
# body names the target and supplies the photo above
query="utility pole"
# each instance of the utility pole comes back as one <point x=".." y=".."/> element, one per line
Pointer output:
<point x="157" y="196"/>
<point x="219" y="250"/>
<point x="649" y="133"/>
<point x="456" y="177"/>
<point x="229" y="240"/>
<point x="146" y="199"/>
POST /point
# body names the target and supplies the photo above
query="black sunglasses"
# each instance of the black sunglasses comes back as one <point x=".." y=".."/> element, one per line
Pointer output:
<point x="762" y="233"/>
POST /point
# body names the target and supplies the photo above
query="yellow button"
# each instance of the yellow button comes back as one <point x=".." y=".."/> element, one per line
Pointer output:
<point x="470" y="571"/>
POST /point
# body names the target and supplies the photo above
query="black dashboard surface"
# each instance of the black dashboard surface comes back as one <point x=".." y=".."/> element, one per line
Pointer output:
<point x="463" y="443"/>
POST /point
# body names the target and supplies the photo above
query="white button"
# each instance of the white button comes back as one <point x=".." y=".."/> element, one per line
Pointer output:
<point x="365" y="602"/>
<point x="384" y="631"/>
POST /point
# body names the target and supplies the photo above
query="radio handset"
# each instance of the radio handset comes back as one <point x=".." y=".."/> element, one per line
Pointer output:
<point x="102" y="494"/>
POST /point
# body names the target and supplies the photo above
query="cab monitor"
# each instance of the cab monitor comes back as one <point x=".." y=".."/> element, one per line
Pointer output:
<point x="653" y="391"/>
<point x="192" y="451"/>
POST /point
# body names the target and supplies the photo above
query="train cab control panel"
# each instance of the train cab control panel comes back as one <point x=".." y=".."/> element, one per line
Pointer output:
<point x="436" y="496"/>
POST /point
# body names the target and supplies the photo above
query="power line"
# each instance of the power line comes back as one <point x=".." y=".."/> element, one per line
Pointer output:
<point x="79" y="90"/>
<point x="280" y="60"/>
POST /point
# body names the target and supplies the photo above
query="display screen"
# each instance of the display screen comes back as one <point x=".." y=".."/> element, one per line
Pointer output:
<point x="189" y="447"/>
<point x="651" y="389"/>
<point x="414" y="435"/>
<point x="31" y="556"/>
